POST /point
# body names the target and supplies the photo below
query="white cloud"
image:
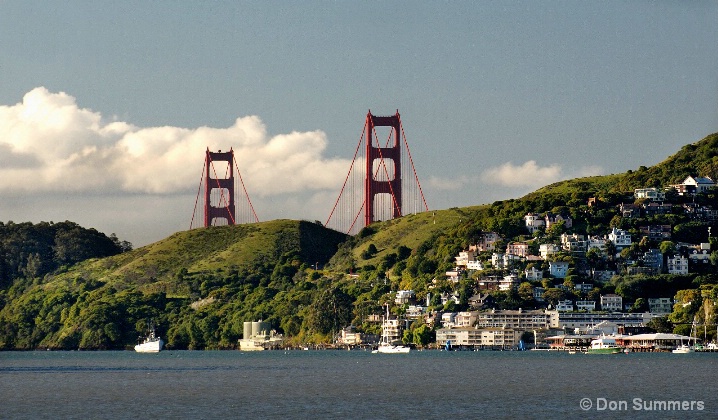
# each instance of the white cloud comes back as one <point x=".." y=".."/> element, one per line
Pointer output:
<point x="49" y="143"/>
<point x="451" y="184"/>
<point x="527" y="175"/>
<point x="531" y="175"/>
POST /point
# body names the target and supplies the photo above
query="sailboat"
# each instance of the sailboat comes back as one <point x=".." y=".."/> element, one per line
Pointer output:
<point x="687" y="348"/>
<point x="385" y="345"/>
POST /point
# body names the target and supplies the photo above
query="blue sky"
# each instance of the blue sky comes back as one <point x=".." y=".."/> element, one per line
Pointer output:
<point x="497" y="99"/>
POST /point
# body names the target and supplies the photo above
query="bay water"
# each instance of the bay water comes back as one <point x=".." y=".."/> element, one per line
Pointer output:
<point x="356" y="384"/>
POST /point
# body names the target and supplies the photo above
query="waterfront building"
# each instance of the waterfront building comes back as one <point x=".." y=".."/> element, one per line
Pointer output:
<point x="476" y="338"/>
<point x="524" y="320"/>
<point x="585" y="320"/>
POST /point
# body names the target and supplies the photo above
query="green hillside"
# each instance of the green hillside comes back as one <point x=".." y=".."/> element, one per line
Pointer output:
<point x="308" y="281"/>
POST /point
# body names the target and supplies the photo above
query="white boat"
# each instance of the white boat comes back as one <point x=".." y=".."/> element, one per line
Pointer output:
<point x="385" y="346"/>
<point x="151" y="343"/>
<point x="604" y="345"/>
<point x="686" y="348"/>
<point x="683" y="348"/>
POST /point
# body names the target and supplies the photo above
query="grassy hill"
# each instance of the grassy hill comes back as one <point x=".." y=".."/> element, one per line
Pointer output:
<point x="201" y="285"/>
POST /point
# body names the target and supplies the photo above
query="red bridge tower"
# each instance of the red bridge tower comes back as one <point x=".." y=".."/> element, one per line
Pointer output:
<point x="380" y="177"/>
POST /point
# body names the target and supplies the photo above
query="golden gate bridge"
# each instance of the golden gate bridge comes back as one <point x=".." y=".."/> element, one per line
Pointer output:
<point x="381" y="183"/>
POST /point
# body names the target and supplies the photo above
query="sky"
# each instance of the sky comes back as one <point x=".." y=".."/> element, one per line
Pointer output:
<point x="107" y="108"/>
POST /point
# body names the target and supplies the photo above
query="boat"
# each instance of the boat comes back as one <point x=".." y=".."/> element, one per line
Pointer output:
<point x="683" y="348"/>
<point x="385" y="346"/>
<point x="151" y="343"/>
<point x="687" y="348"/>
<point x="604" y="345"/>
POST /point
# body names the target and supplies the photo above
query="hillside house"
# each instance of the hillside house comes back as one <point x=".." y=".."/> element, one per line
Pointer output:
<point x="520" y="249"/>
<point x="653" y="258"/>
<point x="533" y="274"/>
<point x="548" y="249"/>
<point x="655" y="209"/>
<point x="611" y="303"/>
<point x="487" y="241"/>
<point x="630" y="210"/>
<point x="404" y="296"/>
<point x="677" y="264"/>
<point x="699" y="212"/>
<point x="586" y="305"/>
<point x="597" y="243"/>
<point x="602" y="276"/>
<point x="551" y="219"/>
<point x="481" y="301"/>
<point x="620" y="238"/>
<point x="694" y="185"/>
<point x="509" y="282"/>
<point x="534" y="222"/>
<point x="564" y="306"/>
<point x="653" y="194"/>
<point x="558" y="269"/>
<point x="660" y="305"/>
<point x="465" y="257"/>
<point x="656" y="232"/>
<point x="700" y="254"/>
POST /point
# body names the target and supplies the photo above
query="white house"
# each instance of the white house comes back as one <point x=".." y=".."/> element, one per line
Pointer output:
<point x="651" y="193"/>
<point x="677" y="264"/>
<point x="611" y="303"/>
<point x="488" y="239"/>
<point x="564" y="306"/>
<point x="404" y="296"/>
<point x="660" y="305"/>
<point x="534" y="222"/>
<point x="620" y="238"/>
<point x="533" y="274"/>
<point x="509" y="282"/>
<point x="558" y="269"/>
<point x="694" y="185"/>
<point x="465" y="257"/>
<point x="548" y="249"/>
<point x="596" y="243"/>
<point x="586" y="305"/>
<point x="475" y="265"/>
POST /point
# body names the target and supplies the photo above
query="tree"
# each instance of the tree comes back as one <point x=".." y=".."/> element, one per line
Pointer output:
<point x="667" y="247"/>
<point x="552" y="296"/>
<point x="423" y="335"/>
<point x="661" y="324"/>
